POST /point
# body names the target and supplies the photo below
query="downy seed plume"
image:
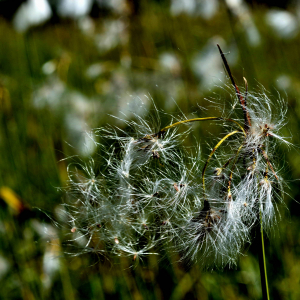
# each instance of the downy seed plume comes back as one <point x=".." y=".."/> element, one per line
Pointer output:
<point x="149" y="191"/>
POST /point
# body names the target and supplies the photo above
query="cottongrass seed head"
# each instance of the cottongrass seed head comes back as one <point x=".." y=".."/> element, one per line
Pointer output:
<point x="147" y="191"/>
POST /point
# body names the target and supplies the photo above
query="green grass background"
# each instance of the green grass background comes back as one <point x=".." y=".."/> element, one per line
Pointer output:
<point x="35" y="138"/>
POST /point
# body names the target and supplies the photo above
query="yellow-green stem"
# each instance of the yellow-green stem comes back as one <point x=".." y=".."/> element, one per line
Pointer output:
<point x="202" y="119"/>
<point x="262" y="264"/>
<point x="211" y="154"/>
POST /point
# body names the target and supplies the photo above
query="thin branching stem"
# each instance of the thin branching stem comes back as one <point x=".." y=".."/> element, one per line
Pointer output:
<point x="212" y="153"/>
<point x="268" y="162"/>
<point x="202" y="119"/>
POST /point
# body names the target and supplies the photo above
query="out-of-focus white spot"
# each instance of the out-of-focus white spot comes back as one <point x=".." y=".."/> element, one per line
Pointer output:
<point x="118" y="6"/>
<point x="126" y="61"/>
<point x="78" y="135"/>
<point x="61" y="214"/>
<point x="169" y="62"/>
<point x="51" y="266"/>
<point x="183" y="6"/>
<point x="4" y="266"/>
<point x="94" y="70"/>
<point x="133" y="105"/>
<point x="44" y="230"/>
<point x="234" y="3"/>
<point x="87" y="25"/>
<point x="78" y="109"/>
<point x="49" y="67"/>
<point x="283" y="82"/>
<point x="208" y="8"/>
<point x="283" y="23"/>
<point x="204" y="8"/>
<point x="49" y="95"/>
<point x="208" y="66"/>
<point x="31" y="13"/>
<point x="74" y="8"/>
<point x="252" y="33"/>
<point x="240" y="9"/>
<point x="113" y="34"/>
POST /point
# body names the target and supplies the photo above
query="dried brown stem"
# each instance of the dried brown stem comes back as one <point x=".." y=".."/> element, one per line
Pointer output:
<point x="238" y="93"/>
<point x="268" y="162"/>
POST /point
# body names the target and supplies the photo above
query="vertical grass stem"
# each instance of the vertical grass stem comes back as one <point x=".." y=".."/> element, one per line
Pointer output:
<point x="262" y="265"/>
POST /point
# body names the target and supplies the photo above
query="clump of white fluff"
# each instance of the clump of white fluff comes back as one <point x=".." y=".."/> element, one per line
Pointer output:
<point x="149" y="191"/>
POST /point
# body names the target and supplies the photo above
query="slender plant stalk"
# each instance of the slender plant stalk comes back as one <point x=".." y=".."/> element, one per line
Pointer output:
<point x="262" y="265"/>
<point x="202" y="119"/>
<point x="211" y="154"/>
<point x="268" y="162"/>
<point x="247" y="125"/>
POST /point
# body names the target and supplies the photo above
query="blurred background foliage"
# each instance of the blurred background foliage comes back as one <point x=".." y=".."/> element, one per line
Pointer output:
<point x="66" y="66"/>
